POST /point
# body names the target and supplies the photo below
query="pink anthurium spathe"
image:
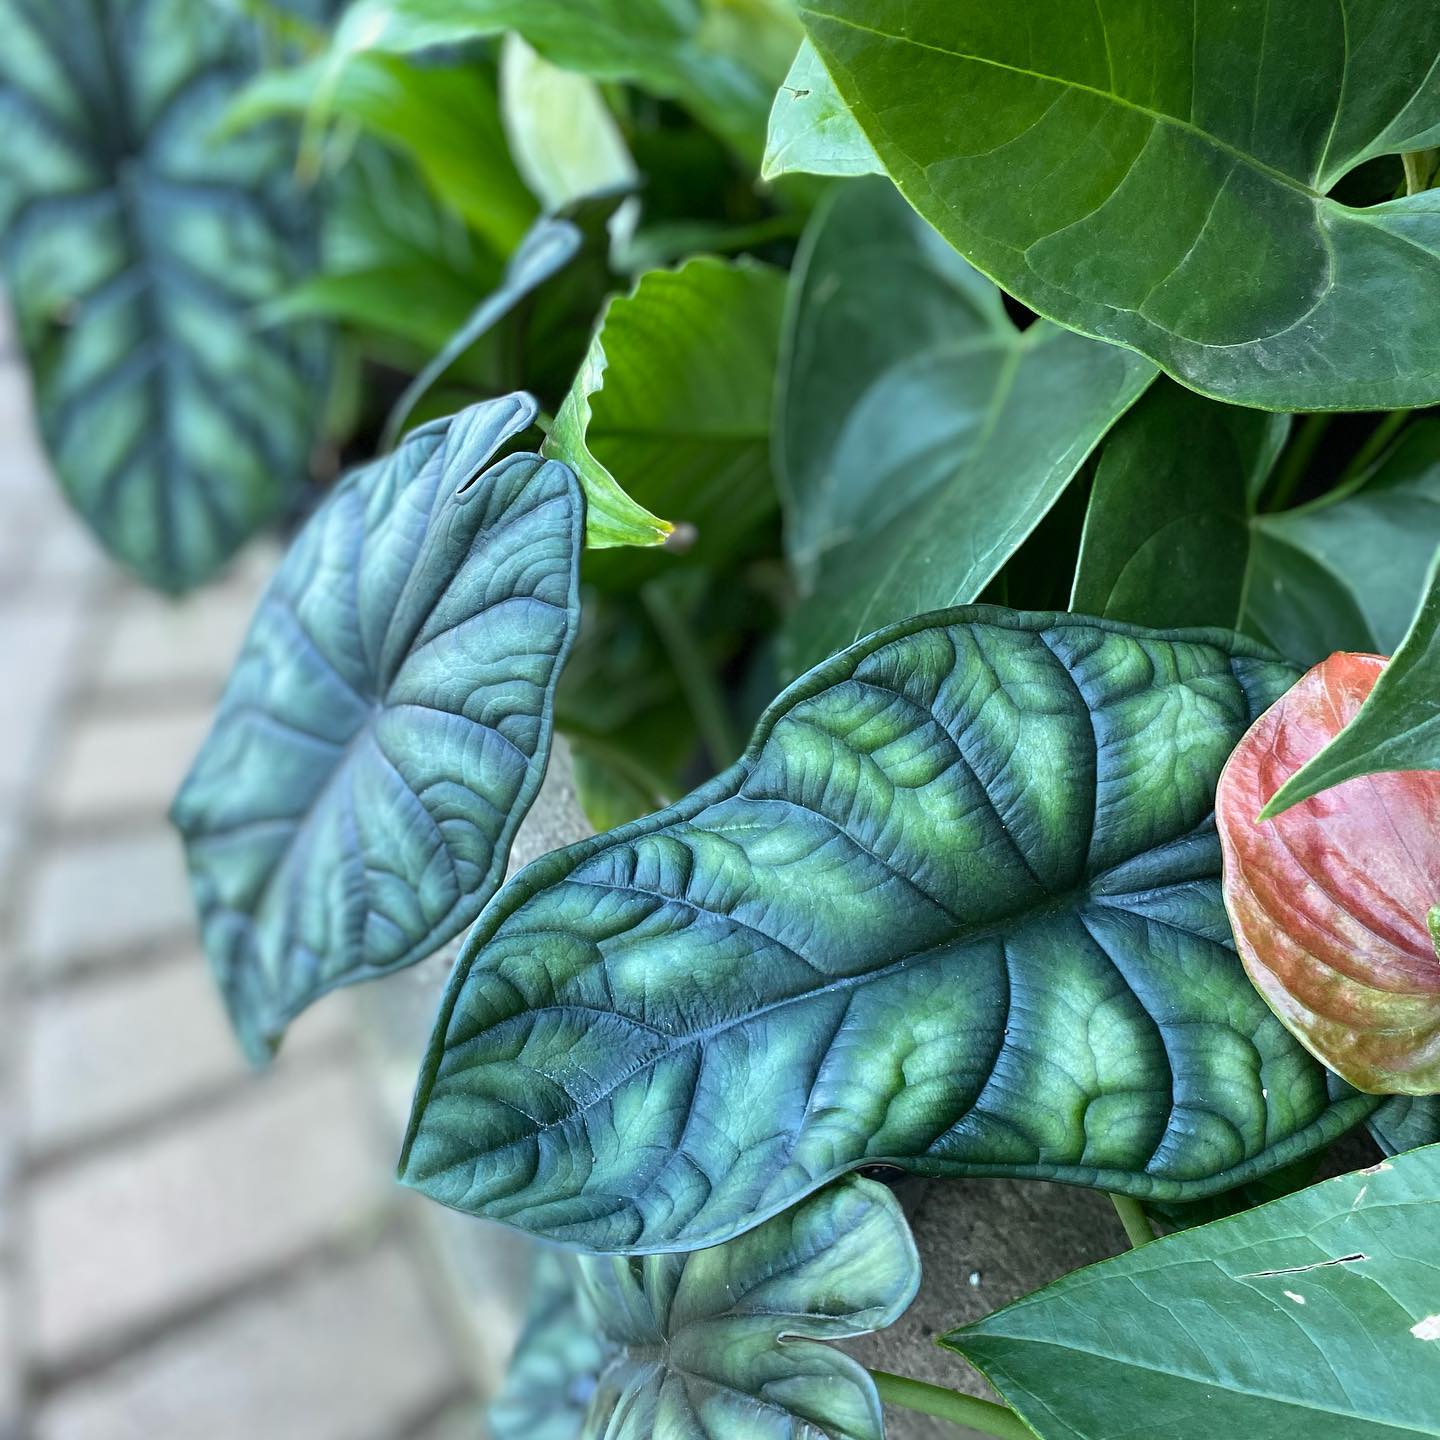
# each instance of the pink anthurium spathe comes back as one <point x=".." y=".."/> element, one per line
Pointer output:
<point x="1335" y="903"/>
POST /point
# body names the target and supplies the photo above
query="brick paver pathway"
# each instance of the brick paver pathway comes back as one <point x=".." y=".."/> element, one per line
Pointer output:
<point x="186" y="1249"/>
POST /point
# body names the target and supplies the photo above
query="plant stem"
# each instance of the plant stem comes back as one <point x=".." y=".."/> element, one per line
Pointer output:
<point x="702" y="694"/>
<point x="982" y="1415"/>
<point x="1296" y="460"/>
<point x="1133" y="1218"/>
<point x="1374" y="446"/>
<point x="1419" y="170"/>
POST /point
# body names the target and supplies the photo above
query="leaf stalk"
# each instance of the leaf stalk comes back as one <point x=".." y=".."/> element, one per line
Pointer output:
<point x="982" y="1415"/>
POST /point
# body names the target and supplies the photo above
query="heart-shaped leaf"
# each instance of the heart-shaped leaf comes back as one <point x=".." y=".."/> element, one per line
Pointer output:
<point x="1174" y="534"/>
<point x="920" y="435"/>
<point x="1394" y="728"/>
<point x="956" y="909"/>
<point x="388" y="720"/>
<point x="1158" y="175"/>
<point x="726" y="1341"/>
<point x="1313" y="1315"/>
<point x="135" y="250"/>
<point x="811" y="131"/>
<point x="1336" y="903"/>
<point x="672" y="407"/>
<point x="557" y="1362"/>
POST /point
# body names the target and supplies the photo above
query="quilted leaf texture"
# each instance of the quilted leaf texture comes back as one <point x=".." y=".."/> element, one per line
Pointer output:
<point x="136" y="248"/>
<point x="388" y="721"/>
<point x="956" y="909"/>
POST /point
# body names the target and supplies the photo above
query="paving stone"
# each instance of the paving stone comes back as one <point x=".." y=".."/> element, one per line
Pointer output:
<point x="347" y="1354"/>
<point x="118" y="1051"/>
<point x="105" y="897"/>
<point x="155" y="642"/>
<point x="38" y="643"/>
<point x="119" y="763"/>
<point x="126" y="1237"/>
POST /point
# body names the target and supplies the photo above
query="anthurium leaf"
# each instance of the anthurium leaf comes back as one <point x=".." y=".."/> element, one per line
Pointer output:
<point x="135" y="250"/>
<point x="811" y="131"/>
<point x="1334" y="903"/>
<point x="388" y="720"/>
<point x="920" y="436"/>
<point x="1313" y="1315"/>
<point x="1173" y="534"/>
<point x="1397" y="727"/>
<point x="1157" y="175"/>
<point x="1406" y="1122"/>
<point x="957" y="909"/>
<point x="672" y="407"/>
<point x="725" y="1341"/>
<point x="557" y="1361"/>
<point x="550" y="245"/>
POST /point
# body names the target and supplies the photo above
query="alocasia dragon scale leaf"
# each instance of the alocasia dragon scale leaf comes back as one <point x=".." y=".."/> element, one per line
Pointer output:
<point x="135" y="250"/>
<point x="1336" y="902"/>
<point x="724" y="1342"/>
<point x="1159" y="174"/>
<point x="388" y="720"/>
<point x="957" y="908"/>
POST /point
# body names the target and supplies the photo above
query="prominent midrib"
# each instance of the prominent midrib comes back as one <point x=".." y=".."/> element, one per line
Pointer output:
<point x="1158" y="117"/>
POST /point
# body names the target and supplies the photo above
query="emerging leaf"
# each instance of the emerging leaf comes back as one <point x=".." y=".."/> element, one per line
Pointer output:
<point x="1158" y="174"/>
<point x="956" y="909"/>
<point x="920" y="436"/>
<point x="1331" y="901"/>
<point x="1313" y="1315"/>
<point x="388" y="720"/>
<point x="135" y="252"/>
<point x="724" y="1342"/>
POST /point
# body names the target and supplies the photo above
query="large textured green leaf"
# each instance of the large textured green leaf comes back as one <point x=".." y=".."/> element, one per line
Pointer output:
<point x="956" y="909"/>
<point x="672" y="407"/>
<point x="1157" y="174"/>
<point x="134" y="250"/>
<point x="1315" y="1315"/>
<point x="557" y="1361"/>
<point x="726" y="1341"/>
<point x="1173" y="535"/>
<point x="920" y="436"/>
<point x="388" y="721"/>
<point x="811" y="131"/>
<point x="1397" y="728"/>
<point x="1406" y="1122"/>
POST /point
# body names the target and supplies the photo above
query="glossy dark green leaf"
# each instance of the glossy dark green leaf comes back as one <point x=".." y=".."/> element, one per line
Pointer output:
<point x="920" y="436"/>
<point x="1398" y="726"/>
<point x="1173" y="535"/>
<point x="1406" y="1122"/>
<point x="1157" y="174"/>
<point x="957" y="909"/>
<point x="135" y="251"/>
<point x="557" y="1361"/>
<point x="811" y="131"/>
<point x="388" y="720"/>
<point x="670" y="413"/>
<point x="1318" y="1314"/>
<point x="726" y="1341"/>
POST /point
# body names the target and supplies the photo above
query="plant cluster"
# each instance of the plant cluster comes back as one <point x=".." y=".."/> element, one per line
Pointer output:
<point x="990" y="412"/>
